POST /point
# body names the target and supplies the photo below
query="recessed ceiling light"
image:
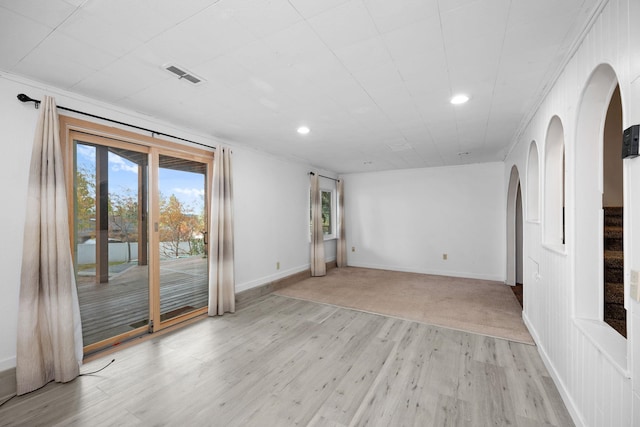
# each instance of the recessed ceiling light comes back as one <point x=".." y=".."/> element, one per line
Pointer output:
<point x="459" y="99"/>
<point x="303" y="130"/>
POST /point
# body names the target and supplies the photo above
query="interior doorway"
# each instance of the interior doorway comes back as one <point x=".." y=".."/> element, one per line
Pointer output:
<point x="518" y="288"/>
<point x="515" y="234"/>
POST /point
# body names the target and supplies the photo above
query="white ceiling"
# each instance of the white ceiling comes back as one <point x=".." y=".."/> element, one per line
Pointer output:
<point x="371" y="78"/>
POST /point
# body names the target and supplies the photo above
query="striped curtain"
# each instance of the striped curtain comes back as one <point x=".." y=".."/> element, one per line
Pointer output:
<point x="341" y="249"/>
<point x="221" y="257"/>
<point x="49" y="346"/>
<point x="318" y="266"/>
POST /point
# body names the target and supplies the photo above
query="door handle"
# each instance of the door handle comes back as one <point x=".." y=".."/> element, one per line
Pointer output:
<point x="204" y="236"/>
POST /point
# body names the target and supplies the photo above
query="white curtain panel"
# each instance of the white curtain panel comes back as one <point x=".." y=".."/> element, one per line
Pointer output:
<point x="341" y="250"/>
<point x="318" y="266"/>
<point x="221" y="258"/>
<point x="49" y="346"/>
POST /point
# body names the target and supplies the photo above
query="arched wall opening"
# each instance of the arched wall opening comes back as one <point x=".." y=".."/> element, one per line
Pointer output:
<point x="615" y="313"/>
<point x="553" y="220"/>
<point x="519" y="238"/>
<point x="612" y="149"/>
<point x="533" y="184"/>
<point x="512" y="224"/>
<point x="597" y="99"/>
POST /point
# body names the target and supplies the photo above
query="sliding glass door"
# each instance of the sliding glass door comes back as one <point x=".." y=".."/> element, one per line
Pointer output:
<point x="110" y="239"/>
<point x="139" y="217"/>
<point x="182" y="220"/>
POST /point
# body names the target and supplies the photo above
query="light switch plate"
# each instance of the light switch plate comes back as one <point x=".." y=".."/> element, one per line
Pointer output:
<point x="634" y="291"/>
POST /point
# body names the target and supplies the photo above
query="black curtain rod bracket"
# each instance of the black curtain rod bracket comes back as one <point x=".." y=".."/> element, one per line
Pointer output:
<point x="24" y="98"/>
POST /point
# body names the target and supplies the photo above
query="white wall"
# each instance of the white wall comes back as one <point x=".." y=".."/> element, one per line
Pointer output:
<point x="271" y="214"/>
<point x="271" y="200"/>
<point x="596" y="371"/>
<point x="405" y="220"/>
<point x="18" y="125"/>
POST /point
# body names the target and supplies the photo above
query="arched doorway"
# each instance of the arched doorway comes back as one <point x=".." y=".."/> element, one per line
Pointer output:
<point x="514" y="229"/>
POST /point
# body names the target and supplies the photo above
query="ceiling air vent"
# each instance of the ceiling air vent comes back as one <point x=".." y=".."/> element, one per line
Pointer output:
<point x="400" y="146"/>
<point x="183" y="74"/>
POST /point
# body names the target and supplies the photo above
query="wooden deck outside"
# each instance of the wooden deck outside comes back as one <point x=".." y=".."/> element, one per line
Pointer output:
<point x="122" y="304"/>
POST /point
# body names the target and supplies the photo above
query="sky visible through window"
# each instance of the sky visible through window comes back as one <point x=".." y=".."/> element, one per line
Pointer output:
<point x="188" y="187"/>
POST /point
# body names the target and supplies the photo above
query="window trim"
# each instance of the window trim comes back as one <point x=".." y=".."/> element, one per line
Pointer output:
<point x="333" y="234"/>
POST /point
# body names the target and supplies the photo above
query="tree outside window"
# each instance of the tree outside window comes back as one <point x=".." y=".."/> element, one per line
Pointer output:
<point x="180" y="228"/>
<point x="327" y="213"/>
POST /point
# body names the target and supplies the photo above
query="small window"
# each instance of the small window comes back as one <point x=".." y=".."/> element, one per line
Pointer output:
<point x="328" y="214"/>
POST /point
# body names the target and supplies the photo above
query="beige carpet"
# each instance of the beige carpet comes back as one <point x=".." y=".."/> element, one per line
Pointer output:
<point x="479" y="306"/>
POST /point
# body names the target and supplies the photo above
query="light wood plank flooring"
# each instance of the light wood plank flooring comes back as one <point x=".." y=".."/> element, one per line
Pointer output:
<point x="122" y="304"/>
<point x="286" y="362"/>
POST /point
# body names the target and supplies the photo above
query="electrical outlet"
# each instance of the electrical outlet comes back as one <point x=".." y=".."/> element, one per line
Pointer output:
<point x="445" y="256"/>
<point x="353" y="248"/>
<point x="278" y="265"/>
<point x="634" y="291"/>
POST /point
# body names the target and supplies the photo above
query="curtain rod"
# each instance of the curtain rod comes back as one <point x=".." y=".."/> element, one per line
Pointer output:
<point x="24" y="98"/>
<point x="328" y="177"/>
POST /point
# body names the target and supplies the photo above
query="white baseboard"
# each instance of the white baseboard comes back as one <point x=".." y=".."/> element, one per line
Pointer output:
<point x="564" y="393"/>
<point x="273" y="277"/>
<point x="466" y="275"/>
<point x="268" y="279"/>
<point x="7" y="383"/>
<point x="7" y="364"/>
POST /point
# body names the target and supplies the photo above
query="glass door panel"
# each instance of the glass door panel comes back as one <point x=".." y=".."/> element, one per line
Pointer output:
<point x="182" y="235"/>
<point x="110" y="240"/>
